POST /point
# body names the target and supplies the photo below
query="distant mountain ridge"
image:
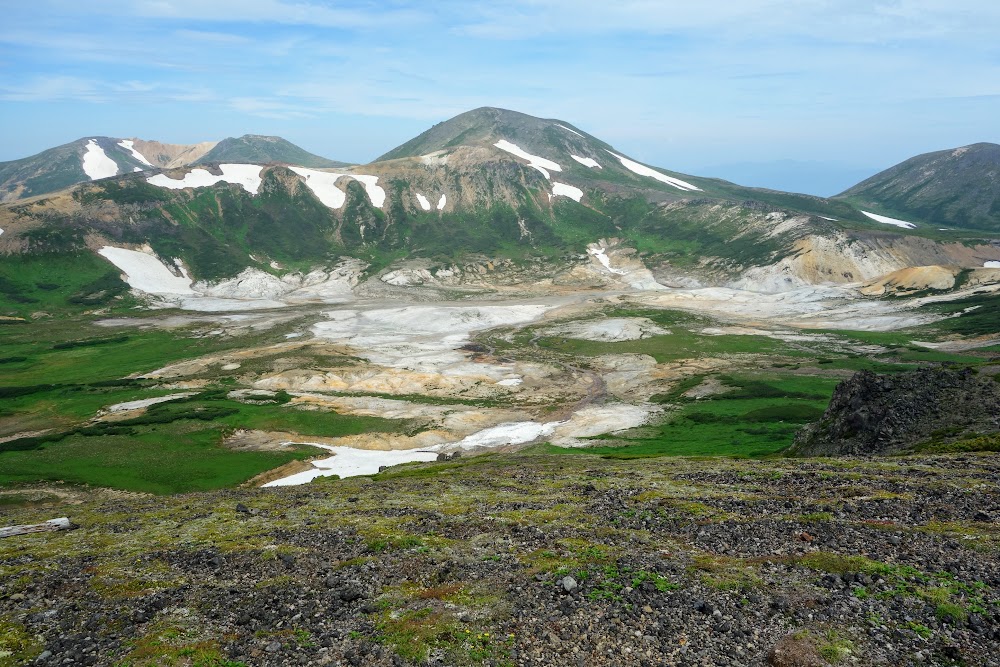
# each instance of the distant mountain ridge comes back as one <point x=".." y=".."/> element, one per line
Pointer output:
<point x="93" y="158"/>
<point x="958" y="187"/>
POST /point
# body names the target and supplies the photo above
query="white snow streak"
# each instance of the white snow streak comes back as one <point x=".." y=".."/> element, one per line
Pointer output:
<point x="424" y="204"/>
<point x="569" y="129"/>
<point x="573" y="193"/>
<point x="145" y="272"/>
<point x="643" y="170"/>
<point x="96" y="163"/>
<point x="146" y="402"/>
<point x="986" y="265"/>
<point x="890" y="221"/>
<point x="587" y="161"/>
<point x="245" y="175"/>
<point x="513" y="433"/>
<point x="442" y="201"/>
<point x="127" y="145"/>
<point x="539" y="163"/>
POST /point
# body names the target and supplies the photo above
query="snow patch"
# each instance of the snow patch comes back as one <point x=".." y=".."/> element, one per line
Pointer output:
<point x="322" y="185"/>
<point x="587" y="161"/>
<point x="511" y="382"/>
<point x="245" y="175"/>
<point x="146" y="402"/>
<point x="514" y="433"/>
<point x="424" y="204"/>
<point x="643" y="170"/>
<point x="600" y="255"/>
<point x="127" y="145"/>
<point x="539" y="163"/>
<point x="145" y="272"/>
<point x="375" y="193"/>
<point x="442" y="201"/>
<point x="890" y="221"/>
<point x="96" y="163"/>
<point x="351" y="462"/>
<point x="561" y="189"/>
<point x="991" y="264"/>
<point x="569" y="129"/>
<point x="826" y="218"/>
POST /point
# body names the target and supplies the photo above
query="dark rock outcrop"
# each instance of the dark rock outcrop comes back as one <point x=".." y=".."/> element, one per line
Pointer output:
<point x="882" y="414"/>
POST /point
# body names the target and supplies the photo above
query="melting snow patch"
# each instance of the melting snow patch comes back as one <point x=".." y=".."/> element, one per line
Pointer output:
<point x="322" y="185"/>
<point x="826" y="218"/>
<point x="245" y="175"/>
<point x="564" y="190"/>
<point x="146" y="402"/>
<point x="587" y="161"/>
<point x="890" y="221"/>
<point x="375" y="193"/>
<point x="127" y="144"/>
<point x="515" y="433"/>
<point x="134" y="169"/>
<point x="424" y="204"/>
<point x="96" y="163"/>
<point x="569" y="129"/>
<point x="643" y="170"/>
<point x="510" y="382"/>
<point x="991" y="265"/>
<point x="351" y="462"/>
<point x="145" y="272"/>
<point x="442" y="201"/>
<point x="539" y="163"/>
<point x="603" y="259"/>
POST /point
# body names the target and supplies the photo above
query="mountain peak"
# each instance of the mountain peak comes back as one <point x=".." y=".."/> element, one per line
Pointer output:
<point x="485" y="126"/>
<point x="264" y="149"/>
<point x="956" y="187"/>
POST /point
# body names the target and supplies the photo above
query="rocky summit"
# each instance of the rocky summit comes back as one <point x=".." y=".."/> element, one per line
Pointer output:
<point x="885" y="414"/>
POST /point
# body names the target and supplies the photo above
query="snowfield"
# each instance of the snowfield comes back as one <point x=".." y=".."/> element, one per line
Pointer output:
<point x="97" y="164"/>
<point x="322" y="185"/>
<point x="563" y="190"/>
<point x="442" y="201"/>
<point x="245" y="175"/>
<point x="986" y="265"/>
<point x="587" y="162"/>
<point x="145" y="272"/>
<point x="351" y="462"/>
<point x="643" y="170"/>
<point x="424" y="204"/>
<point x="127" y="144"/>
<point x="884" y="219"/>
<point x="541" y="164"/>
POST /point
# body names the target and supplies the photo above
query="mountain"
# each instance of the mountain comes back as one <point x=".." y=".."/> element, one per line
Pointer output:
<point x="952" y="188"/>
<point x="487" y="184"/>
<point x="60" y="167"/>
<point x="93" y="158"/>
<point x="260" y="149"/>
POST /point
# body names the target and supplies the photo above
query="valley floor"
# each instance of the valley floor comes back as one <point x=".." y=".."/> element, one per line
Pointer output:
<point x="523" y="559"/>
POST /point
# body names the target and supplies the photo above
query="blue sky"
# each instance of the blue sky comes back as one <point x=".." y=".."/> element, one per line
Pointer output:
<point x="840" y="84"/>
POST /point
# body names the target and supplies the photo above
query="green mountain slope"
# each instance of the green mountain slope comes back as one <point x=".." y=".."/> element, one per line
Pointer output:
<point x="260" y="149"/>
<point x="951" y="188"/>
<point x="58" y="168"/>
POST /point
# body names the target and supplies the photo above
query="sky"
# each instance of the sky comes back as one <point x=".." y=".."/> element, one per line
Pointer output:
<point x="769" y="89"/>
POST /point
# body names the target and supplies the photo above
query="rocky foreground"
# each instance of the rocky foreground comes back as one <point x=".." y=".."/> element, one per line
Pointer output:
<point x="523" y="559"/>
